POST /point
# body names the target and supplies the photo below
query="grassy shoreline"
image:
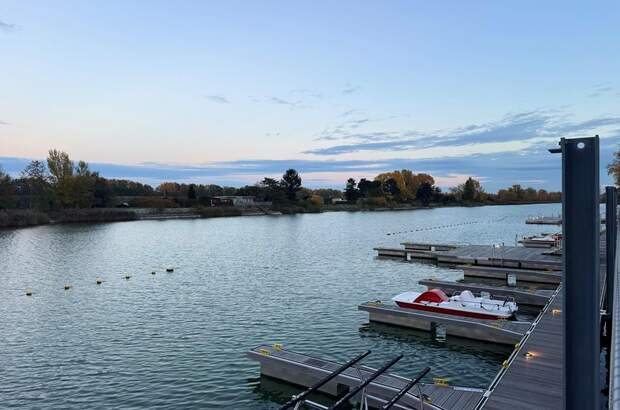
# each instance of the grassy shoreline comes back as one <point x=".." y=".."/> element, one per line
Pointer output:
<point x="17" y="218"/>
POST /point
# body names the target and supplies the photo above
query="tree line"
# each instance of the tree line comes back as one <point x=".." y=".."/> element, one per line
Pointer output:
<point x="407" y="187"/>
<point x="60" y="183"/>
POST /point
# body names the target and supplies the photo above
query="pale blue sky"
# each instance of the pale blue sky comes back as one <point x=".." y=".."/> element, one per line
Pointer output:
<point x="226" y="92"/>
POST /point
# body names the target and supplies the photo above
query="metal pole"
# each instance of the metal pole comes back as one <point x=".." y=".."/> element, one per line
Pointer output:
<point x="611" y="226"/>
<point x="581" y="260"/>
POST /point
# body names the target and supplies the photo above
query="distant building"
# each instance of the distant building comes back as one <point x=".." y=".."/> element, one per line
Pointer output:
<point x="336" y="201"/>
<point x="236" y="200"/>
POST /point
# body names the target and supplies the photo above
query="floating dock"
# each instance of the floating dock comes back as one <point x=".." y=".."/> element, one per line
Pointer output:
<point x="544" y="220"/>
<point x="304" y="370"/>
<point x="494" y="331"/>
<point x="538" y="297"/>
<point x="521" y="275"/>
<point x="518" y="257"/>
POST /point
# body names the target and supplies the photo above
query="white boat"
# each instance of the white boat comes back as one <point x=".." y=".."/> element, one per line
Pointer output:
<point x="464" y="304"/>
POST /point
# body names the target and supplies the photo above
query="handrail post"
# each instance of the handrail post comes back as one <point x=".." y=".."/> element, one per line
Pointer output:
<point x="611" y="226"/>
<point x="581" y="260"/>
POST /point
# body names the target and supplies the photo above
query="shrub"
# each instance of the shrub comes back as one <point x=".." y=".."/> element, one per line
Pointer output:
<point x="18" y="218"/>
<point x="152" y="202"/>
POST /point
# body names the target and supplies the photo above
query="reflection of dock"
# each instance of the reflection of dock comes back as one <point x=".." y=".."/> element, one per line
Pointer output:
<point x="495" y="331"/>
<point x="305" y="371"/>
<point x="536" y="297"/>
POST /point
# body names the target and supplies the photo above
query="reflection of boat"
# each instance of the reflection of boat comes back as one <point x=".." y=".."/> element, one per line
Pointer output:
<point x="464" y="304"/>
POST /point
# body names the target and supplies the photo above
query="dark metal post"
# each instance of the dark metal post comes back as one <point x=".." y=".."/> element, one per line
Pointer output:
<point x="611" y="226"/>
<point x="581" y="259"/>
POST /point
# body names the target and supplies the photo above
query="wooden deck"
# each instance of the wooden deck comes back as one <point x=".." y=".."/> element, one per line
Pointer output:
<point x="534" y="380"/>
<point x="305" y="370"/>
<point x="493" y="331"/>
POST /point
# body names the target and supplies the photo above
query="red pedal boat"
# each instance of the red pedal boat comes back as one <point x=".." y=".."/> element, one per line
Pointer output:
<point x="464" y="304"/>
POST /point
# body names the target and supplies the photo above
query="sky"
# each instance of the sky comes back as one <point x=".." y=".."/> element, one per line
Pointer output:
<point x="229" y="92"/>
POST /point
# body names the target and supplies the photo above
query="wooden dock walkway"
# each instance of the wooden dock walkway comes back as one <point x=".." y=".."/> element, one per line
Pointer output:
<point x="494" y="331"/>
<point x="536" y="297"/>
<point x="305" y="370"/>
<point x="533" y="376"/>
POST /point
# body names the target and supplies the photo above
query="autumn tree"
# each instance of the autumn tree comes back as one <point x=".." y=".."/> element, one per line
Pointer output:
<point x="613" y="168"/>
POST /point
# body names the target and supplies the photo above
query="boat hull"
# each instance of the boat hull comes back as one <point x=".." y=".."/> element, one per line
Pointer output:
<point x="453" y="312"/>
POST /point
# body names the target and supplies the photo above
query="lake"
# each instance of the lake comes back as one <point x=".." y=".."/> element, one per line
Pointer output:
<point x="178" y="340"/>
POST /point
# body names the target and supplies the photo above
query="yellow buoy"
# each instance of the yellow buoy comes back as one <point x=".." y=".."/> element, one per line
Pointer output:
<point x="127" y="276"/>
<point x="67" y="286"/>
<point x="28" y="292"/>
<point x="99" y="281"/>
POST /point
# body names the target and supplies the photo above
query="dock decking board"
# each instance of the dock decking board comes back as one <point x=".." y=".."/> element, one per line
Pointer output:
<point x="305" y="370"/>
<point x="536" y="382"/>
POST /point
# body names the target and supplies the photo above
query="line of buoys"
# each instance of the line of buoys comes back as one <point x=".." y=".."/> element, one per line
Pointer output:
<point x="98" y="281"/>
<point x="430" y="228"/>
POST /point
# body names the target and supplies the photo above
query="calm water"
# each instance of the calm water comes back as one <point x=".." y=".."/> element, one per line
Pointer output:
<point x="178" y="340"/>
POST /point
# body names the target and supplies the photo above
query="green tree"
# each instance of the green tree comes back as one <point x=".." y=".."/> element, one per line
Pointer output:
<point x="351" y="193"/>
<point x="390" y="186"/>
<point x="36" y="187"/>
<point x="191" y="192"/>
<point x="291" y="182"/>
<point x="7" y="191"/>
<point x="61" y="174"/>
<point x="425" y="193"/>
<point x="469" y="190"/>
<point x="102" y="193"/>
<point x="84" y="186"/>
<point x="370" y="189"/>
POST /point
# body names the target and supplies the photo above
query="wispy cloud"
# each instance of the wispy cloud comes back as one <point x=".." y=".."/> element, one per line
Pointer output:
<point x="352" y="112"/>
<point x="4" y="123"/>
<point x="217" y="99"/>
<point x="307" y="93"/>
<point x="534" y="126"/>
<point x="535" y="167"/>
<point x="351" y="89"/>
<point x="4" y="26"/>
<point x="602" y="89"/>
<point x="281" y="101"/>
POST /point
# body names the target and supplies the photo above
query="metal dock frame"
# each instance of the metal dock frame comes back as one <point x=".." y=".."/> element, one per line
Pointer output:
<point x="581" y="260"/>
